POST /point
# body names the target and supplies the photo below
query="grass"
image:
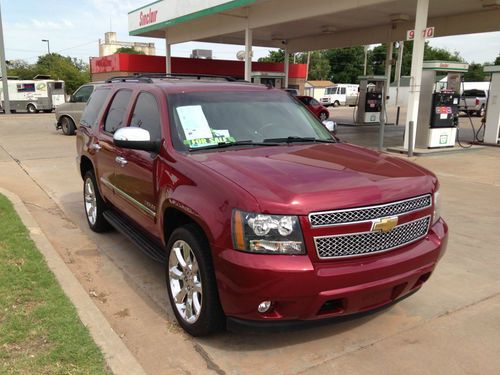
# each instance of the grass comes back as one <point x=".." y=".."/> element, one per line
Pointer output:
<point x="40" y="332"/>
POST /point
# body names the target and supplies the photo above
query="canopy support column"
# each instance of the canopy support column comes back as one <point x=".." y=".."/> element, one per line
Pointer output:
<point x="248" y="54"/>
<point x="417" y="60"/>
<point x="168" y="56"/>
<point x="287" y="68"/>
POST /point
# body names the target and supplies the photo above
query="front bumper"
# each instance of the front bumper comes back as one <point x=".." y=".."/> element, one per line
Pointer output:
<point x="301" y="289"/>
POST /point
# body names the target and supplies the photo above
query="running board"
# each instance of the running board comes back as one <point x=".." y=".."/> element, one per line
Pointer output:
<point x="129" y="230"/>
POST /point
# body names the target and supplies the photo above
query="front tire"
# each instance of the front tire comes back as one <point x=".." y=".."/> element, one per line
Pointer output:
<point x="336" y="103"/>
<point x="323" y="116"/>
<point x="31" y="108"/>
<point x="67" y="126"/>
<point x="94" y="204"/>
<point x="192" y="289"/>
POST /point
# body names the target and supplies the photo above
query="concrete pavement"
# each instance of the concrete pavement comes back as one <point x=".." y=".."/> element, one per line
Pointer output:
<point x="450" y="326"/>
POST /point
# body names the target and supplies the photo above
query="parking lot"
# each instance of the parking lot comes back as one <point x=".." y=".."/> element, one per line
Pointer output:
<point x="450" y="326"/>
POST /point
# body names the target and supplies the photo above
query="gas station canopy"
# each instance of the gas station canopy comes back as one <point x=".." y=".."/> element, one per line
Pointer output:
<point x="298" y="26"/>
<point x="305" y="25"/>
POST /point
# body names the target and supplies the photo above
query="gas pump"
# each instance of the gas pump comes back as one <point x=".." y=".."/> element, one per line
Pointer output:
<point x="438" y="108"/>
<point x="371" y="95"/>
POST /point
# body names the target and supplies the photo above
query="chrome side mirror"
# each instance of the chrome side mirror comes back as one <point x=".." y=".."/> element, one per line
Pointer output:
<point x="135" y="138"/>
<point x="330" y="125"/>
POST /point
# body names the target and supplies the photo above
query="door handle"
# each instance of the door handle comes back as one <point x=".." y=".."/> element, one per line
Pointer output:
<point x="121" y="160"/>
<point x="95" y="146"/>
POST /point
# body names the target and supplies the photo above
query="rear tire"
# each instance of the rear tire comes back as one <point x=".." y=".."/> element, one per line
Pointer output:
<point x="191" y="285"/>
<point x="67" y="126"/>
<point x="31" y="108"/>
<point x="94" y="204"/>
<point x="481" y="112"/>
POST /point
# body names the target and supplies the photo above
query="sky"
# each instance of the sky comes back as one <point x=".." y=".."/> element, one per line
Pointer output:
<point x="74" y="27"/>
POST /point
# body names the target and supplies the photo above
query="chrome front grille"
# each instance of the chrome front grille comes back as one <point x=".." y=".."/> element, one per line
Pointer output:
<point x="352" y="215"/>
<point x="347" y="245"/>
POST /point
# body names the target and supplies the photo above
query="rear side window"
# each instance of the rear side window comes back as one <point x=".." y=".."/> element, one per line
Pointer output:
<point x="342" y="90"/>
<point x="304" y="100"/>
<point x="146" y="115"/>
<point x="115" y="117"/>
<point x="474" y="93"/>
<point x="93" y="108"/>
<point x="25" y="87"/>
<point x="82" y="94"/>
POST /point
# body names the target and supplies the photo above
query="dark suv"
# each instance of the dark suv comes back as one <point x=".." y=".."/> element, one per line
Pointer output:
<point x="257" y="211"/>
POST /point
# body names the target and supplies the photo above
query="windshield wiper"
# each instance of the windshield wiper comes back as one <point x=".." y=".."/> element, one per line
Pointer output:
<point x="236" y="143"/>
<point x="298" y="140"/>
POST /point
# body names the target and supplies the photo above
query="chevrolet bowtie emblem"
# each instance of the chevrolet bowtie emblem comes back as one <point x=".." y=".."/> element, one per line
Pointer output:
<point x="385" y="224"/>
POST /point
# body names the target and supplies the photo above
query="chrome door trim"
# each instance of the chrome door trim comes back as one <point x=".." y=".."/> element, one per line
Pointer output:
<point x="130" y="199"/>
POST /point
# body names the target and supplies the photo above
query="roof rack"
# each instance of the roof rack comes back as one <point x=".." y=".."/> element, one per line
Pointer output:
<point x="134" y="78"/>
<point x="148" y="78"/>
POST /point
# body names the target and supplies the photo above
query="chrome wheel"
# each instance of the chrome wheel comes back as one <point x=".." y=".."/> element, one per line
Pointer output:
<point x="185" y="281"/>
<point x="323" y="116"/>
<point x="90" y="201"/>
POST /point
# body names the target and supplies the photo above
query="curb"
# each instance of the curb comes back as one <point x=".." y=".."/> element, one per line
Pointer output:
<point x="118" y="357"/>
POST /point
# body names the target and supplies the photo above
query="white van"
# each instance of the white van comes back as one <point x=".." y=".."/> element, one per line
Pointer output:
<point x="34" y="95"/>
<point x="340" y="94"/>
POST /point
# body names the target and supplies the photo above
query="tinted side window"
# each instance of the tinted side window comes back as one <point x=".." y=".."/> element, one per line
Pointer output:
<point x="82" y="94"/>
<point x="146" y="115"/>
<point x="314" y="102"/>
<point x="114" y="118"/>
<point x="304" y="100"/>
<point x="342" y="90"/>
<point x="93" y="108"/>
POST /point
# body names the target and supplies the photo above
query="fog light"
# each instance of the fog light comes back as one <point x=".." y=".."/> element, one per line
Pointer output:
<point x="264" y="306"/>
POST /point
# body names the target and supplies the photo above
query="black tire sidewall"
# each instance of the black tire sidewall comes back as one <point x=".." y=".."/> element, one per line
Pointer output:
<point x="325" y="118"/>
<point x="69" y="129"/>
<point x="101" y="224"/>
<point x="31" y="108"/>
<point x="211" y="319"/>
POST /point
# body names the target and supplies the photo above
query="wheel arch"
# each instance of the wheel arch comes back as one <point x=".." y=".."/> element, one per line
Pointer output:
<point x="67" y="116"/>
<point x="85" y="165"/>
<point x="173" y="218"/>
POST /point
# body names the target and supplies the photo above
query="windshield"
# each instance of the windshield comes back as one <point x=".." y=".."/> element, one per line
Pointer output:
<point x="220" y="118"/>
<point x="331" y="90"/>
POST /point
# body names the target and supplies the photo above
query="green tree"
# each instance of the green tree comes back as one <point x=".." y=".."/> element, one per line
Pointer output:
<point x="276" y="56"/>
<point x="319" y="65"/>
<point x="21" y="69"/>
<point x="72" y="71"/>
<point x="346" y="64"/>
<point x="497" y="61"/>
<point x="129" y="50"/>
<point x="475" y="73"/>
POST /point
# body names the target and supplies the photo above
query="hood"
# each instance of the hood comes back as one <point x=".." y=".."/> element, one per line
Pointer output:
<point x="299" y="179"/>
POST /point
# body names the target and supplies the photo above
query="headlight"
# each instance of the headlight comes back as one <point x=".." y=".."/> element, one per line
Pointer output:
<point x="267" y="234"/>
<point x="437" y="208"/>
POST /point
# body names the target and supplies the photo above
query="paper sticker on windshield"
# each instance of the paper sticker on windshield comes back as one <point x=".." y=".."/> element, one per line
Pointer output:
<point x="194" y="122"/>
<point x="220" y="133"/>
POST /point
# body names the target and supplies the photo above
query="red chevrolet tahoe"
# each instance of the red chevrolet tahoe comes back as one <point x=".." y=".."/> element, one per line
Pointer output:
<point x="258" y="213"/>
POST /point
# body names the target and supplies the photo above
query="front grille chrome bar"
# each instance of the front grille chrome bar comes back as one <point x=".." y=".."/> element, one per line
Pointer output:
<point x="360" y="214"/>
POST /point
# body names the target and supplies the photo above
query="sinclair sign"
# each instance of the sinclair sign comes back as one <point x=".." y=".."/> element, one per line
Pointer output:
<point x="147" y="17"/>
<point x="161" y="14"/>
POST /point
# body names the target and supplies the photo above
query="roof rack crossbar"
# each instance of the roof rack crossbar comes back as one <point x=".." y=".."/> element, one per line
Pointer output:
<point x="133" y="78"/>
<point x="186" y="75"/>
